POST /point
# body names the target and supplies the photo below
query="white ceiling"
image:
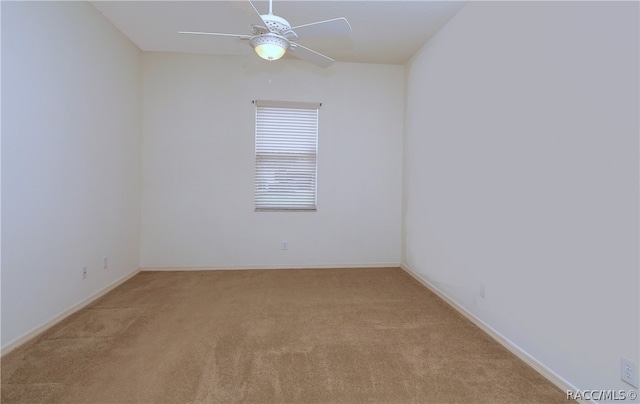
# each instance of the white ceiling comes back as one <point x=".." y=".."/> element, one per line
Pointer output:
<point x="383" y="31"/>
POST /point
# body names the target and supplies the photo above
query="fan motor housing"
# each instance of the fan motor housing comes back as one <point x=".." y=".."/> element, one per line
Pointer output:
<point x="275" y="23"/>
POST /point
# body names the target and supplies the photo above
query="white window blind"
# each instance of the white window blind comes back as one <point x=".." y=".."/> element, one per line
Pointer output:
<point x="286" y="155"/>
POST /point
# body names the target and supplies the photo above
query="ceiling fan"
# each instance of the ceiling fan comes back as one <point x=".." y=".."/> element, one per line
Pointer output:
<point x="273" y="36"/>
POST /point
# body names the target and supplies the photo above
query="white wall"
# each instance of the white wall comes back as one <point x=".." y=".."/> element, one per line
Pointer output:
<point x="521" y="174"/>
<point x="71" y="86"/>
<point x="198" y="162"/>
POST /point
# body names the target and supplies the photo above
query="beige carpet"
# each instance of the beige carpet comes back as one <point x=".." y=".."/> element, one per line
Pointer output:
<point x="275" y="336"/>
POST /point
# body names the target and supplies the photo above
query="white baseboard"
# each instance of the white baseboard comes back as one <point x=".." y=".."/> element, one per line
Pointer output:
<point x="254" y="267"/>
<point x="501" y="339"/>
<point x="85" y="302"/>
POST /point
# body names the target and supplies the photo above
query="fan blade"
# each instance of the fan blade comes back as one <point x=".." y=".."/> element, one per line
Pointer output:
<point x="259" y="21"/>
<point x="310" y="55"/>
<point x="336" y="26"/>
<point x="215" y="34"/>
<point x="252" y="14"/>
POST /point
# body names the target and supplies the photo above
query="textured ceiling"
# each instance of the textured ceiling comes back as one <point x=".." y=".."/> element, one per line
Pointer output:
<point x="389" y="32"/>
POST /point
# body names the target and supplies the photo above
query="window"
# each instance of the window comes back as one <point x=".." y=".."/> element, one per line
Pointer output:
<point x="286" y="151"/>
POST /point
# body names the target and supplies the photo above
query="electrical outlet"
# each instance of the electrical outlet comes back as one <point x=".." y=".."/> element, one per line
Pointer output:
<point x="84" y="272"/>
<point x="285" y="245"/>
<point x="629" y="372"/>
<point x="105" y="262"/>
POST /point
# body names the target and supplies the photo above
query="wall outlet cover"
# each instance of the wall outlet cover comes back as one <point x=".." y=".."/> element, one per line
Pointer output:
<point x="629" y="372"/>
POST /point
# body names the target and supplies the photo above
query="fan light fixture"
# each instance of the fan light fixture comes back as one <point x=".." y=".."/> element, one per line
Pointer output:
<point x="269" y="46"/>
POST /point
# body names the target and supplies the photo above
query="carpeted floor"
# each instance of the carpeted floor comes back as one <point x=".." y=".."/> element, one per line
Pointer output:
<point x="274" y="336"/>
